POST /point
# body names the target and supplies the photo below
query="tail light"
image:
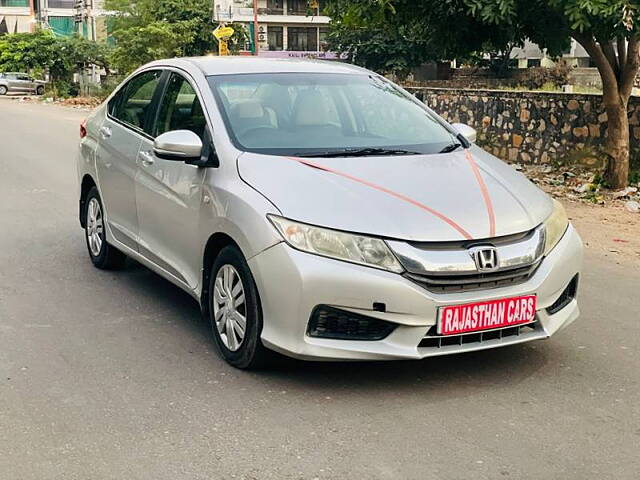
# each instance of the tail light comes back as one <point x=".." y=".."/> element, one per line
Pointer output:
<point x="83" y="128"/>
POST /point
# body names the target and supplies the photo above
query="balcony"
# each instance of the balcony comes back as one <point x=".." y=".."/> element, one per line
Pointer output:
<point x="270" y="11"/>
<point x="275" y="11"/>
<point x="14" y="3"/>
<point x="61" y="4"/>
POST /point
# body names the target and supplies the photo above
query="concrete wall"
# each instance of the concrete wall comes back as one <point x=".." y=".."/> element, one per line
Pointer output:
<point x="531" y="127"/>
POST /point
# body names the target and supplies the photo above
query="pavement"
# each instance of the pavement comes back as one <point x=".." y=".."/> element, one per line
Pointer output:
<point x="112" y="375"/>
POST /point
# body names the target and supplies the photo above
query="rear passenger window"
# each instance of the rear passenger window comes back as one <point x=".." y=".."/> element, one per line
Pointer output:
<point x="132" y="104"/>
<point x="180" y="108"/>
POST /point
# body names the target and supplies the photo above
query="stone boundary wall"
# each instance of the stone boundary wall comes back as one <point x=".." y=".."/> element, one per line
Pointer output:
<point x="531" y="127"/>
<point x="483" y="79"/>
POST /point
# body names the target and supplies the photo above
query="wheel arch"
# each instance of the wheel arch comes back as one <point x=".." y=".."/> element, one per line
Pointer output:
<point x="85" y="187"/>
<point x="214" y="245"/>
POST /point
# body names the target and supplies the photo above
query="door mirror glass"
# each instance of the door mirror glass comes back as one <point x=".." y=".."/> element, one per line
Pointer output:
<point x="180" y="145"/>
<point x="468" y="132"/>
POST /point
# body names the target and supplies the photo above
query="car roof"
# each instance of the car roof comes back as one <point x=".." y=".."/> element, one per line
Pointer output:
<point x="213" y="65"/>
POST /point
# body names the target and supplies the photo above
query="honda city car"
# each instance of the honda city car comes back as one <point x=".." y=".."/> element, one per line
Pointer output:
<point x="318" y="210"/>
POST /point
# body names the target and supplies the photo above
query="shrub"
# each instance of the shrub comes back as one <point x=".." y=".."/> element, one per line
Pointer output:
<point x="537" y="77"/>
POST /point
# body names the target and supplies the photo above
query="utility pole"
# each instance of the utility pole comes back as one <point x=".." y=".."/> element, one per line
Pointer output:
<point x="256" y="47"/>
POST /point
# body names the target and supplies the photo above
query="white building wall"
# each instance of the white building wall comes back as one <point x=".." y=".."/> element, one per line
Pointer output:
<point x="232" y="11"/>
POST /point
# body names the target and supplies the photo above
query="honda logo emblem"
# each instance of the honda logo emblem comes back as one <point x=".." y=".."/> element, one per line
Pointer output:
<point x="485" y="258"/>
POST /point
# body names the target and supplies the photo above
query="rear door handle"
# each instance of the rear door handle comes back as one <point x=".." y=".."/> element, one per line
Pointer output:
<point x="105" y="132"/>
<point x="147" y="158"/>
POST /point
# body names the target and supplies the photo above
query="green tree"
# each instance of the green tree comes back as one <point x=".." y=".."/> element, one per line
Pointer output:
<point x="395" y="35"/>
<point x="147" y="30"/>
<point x="42" y="51"/>
<point x="26" y="52"/>
<point x="608" y="31"/>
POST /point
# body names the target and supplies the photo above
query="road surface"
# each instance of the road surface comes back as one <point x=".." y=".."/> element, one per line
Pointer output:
<point x="112" y="375"/>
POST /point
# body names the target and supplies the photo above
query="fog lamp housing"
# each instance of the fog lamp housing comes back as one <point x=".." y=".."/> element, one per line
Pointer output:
<point x="331" y="322"/>
<point x="568" y="294"/>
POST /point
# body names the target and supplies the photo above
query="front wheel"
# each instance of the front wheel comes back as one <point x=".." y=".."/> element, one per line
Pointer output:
<point x="103" y="255"/>
<point x="40" y="90"/>
<point x="3" y="90"/>
<point x="234" y="311"/>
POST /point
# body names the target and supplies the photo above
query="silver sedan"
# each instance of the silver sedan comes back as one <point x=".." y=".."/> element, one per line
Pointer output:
<point x="318" y="210"/>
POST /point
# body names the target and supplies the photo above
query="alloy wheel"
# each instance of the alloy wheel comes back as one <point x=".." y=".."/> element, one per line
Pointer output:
<point x="229" y="307"/>
<point x="95" y="227"/>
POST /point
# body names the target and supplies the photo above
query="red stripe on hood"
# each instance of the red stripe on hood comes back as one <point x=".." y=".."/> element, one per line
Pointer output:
<point x="397" y="195"/>
<point x="485" y="193"/>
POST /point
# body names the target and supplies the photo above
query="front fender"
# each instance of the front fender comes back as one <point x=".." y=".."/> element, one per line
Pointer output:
<point x="239" y="211"/>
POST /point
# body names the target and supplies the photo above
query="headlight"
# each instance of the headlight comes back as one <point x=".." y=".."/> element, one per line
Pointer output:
<point x="369" y="251"/>
<point x="555" y="226"/>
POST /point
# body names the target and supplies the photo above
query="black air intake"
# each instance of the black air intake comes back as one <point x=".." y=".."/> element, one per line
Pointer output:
<point x="565" y="297"/>
<point x="330" y="322"/>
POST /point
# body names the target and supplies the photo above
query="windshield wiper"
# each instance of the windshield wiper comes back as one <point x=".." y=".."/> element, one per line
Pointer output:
<point x="358" y="152"/>
<point x="462" y="141"/>
<point x="451" y="147"/>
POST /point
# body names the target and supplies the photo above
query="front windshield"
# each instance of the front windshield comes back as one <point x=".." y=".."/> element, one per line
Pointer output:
<point x="317" y="113"/>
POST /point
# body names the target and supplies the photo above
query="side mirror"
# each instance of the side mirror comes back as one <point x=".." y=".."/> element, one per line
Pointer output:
<point x="468" y="132"/>
<point x="179" y="145"/>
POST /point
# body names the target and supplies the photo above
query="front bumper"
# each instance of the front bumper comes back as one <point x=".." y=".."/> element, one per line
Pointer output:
<point x="292" y="283"/>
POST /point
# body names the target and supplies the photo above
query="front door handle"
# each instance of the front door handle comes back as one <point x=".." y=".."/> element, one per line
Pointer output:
<point x="105" y="132"/>
<point x="147" y="158"/>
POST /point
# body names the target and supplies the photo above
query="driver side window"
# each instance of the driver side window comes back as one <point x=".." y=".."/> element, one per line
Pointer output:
<point x="180" y="108"/>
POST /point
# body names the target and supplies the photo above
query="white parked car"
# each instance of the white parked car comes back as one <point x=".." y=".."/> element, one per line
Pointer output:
<point x="318" y="210"/>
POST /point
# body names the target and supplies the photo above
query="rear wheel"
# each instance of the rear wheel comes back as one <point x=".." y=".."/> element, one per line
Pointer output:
<point x="3" y="90"/>
<point x="103" y="255"/>
<point x="40" y="90"/>
<point x="234" y="311"/>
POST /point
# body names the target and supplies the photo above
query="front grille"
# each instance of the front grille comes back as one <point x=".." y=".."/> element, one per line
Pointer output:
<point x="330" y="322"/>
<point x="431" y="340"/>
<point x="474" y="281"/>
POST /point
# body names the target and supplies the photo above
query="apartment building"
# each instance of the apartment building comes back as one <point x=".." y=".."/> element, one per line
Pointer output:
<point x="62" y="17"/>
<point x="286" y="28"/>
<point x="16" y="16"/>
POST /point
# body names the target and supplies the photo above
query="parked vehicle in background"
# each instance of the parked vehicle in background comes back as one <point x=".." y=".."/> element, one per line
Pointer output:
<point x="318" y="210"/>
<point x="15" y="82"/>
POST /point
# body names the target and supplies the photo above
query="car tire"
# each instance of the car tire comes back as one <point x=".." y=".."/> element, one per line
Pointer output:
<point x="40" y="90"/>
<point x="102" y="254"/>
<point x="3" y="90"/>
<point x="233" y="296"/>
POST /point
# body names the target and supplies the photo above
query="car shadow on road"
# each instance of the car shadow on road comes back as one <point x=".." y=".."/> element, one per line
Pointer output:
<point x="181" y="306"/>
<point x="504" y="366"/>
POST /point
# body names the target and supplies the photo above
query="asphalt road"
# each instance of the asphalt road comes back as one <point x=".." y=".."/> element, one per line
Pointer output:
<point x="113" y="375"/>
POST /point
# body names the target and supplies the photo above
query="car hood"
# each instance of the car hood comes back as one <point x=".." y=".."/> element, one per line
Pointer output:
<point x="417" y="197"/>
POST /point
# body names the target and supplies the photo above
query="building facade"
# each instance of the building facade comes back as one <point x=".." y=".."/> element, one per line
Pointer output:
<point x="286" y="28"/>
<point x="62" y="17"/>
<point x="531" y="55"/>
